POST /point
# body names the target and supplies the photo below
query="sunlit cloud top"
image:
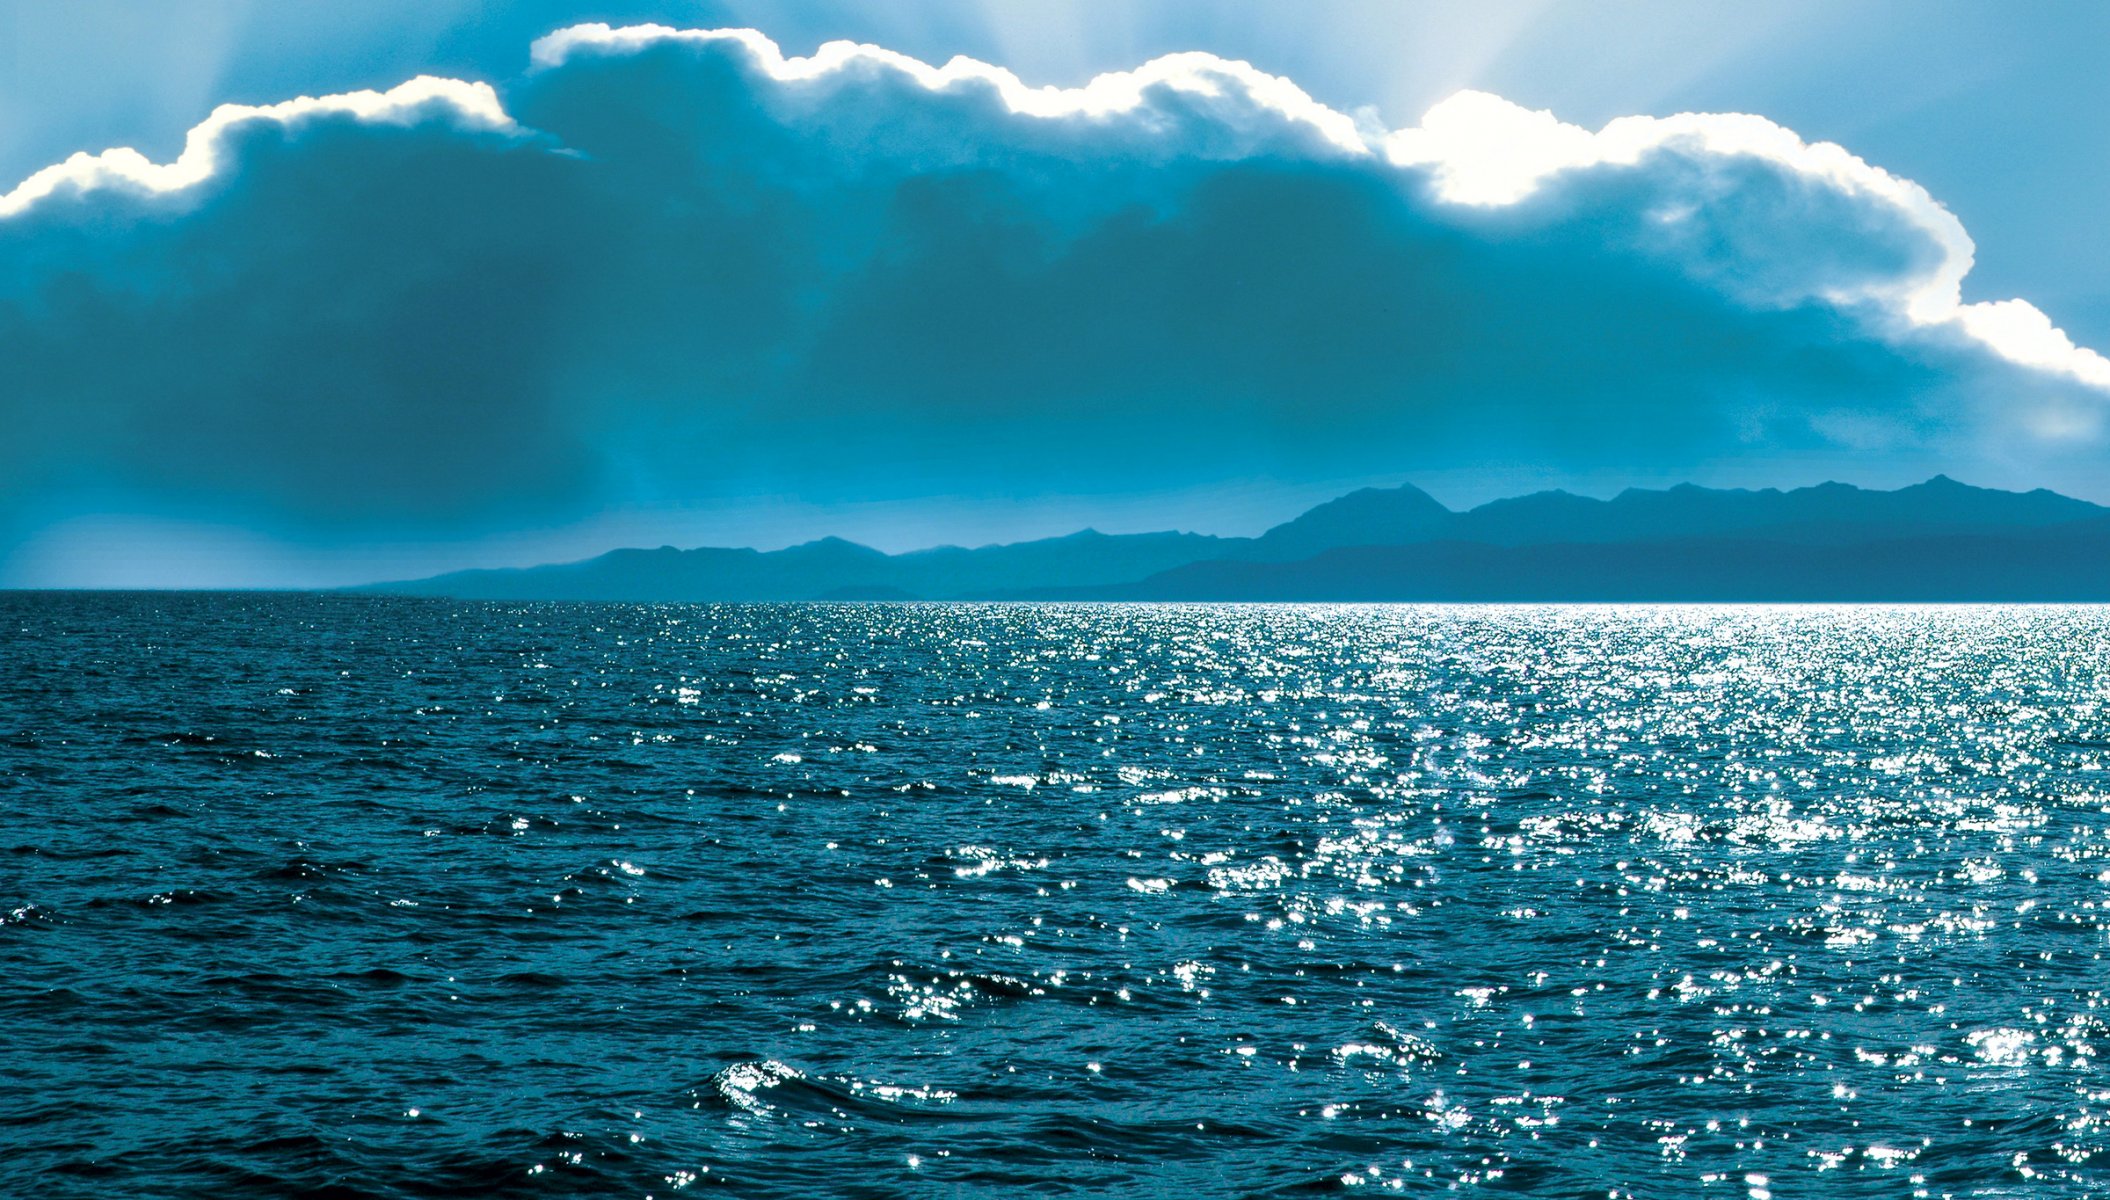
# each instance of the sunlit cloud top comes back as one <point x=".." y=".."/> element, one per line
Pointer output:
<point x="470" y="105"/>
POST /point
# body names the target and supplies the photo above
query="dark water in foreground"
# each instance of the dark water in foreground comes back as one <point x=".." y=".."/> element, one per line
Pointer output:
<point x="344" y="897"/>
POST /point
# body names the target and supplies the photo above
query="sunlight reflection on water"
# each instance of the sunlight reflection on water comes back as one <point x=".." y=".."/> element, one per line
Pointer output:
<point x="1687" y="900"/>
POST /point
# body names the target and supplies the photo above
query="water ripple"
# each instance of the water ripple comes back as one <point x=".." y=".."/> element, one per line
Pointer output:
<point x="347" y="896"/>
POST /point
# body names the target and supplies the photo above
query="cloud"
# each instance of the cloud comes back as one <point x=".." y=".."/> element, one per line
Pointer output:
<point x="206" y="148"/>
<point x="677" y="267"/>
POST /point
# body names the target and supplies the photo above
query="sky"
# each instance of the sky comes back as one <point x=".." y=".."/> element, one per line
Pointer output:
<point x="464" y="284"/>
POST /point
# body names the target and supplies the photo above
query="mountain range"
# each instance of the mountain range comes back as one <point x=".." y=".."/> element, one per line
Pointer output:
<point x="1936" y="541"/>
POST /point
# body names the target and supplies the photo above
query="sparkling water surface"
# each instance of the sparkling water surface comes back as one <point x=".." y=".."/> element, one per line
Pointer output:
<point x="349" y="897"/>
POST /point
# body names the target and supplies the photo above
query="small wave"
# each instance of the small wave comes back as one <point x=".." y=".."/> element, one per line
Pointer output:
<point x="771" y="1088"/>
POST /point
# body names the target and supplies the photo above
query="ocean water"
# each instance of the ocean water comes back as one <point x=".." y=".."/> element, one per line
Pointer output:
<point x="348" y="897"/>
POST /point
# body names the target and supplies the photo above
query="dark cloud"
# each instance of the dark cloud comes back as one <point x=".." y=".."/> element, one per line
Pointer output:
<point x="352" y="321"/>
<point x="685" y="271"/>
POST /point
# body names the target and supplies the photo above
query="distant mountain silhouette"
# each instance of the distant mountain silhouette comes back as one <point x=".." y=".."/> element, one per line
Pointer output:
<point x="832" y="569"/>
<point x="1939" y="540"/>
<point x="1829" y="512"/>
<point x="2069" y="563"/>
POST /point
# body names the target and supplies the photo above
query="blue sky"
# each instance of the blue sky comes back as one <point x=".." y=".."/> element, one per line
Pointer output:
<point x="652" y="292"/>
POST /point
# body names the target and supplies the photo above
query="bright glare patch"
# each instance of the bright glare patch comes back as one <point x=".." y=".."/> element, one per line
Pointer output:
<point x="1485" y="150"/>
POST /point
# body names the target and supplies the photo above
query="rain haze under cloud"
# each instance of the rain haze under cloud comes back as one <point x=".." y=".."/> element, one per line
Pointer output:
<point x="669" y="284"/>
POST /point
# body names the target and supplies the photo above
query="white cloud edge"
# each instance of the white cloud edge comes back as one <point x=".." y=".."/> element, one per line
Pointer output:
<point x="1487" y="150"/>
<point x="1195" y="72"/>
<point x="1482" y="150"/>
<point x="476" y="105"/>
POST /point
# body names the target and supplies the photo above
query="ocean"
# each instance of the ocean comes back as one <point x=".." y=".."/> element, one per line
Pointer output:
<point x="338" y="896"/>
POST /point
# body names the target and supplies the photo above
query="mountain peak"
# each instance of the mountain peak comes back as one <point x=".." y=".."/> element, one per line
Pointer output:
<point x="1364" y="517"/>
<point x="835" y="546"/>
